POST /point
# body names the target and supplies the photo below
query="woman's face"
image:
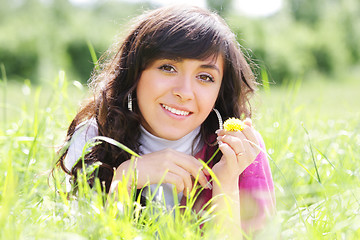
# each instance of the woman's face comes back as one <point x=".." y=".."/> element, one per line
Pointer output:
<point x="176" y="96"/>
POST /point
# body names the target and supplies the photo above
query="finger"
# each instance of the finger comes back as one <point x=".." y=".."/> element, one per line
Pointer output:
<point x="198" y="172"/>
<point x="248" y="122"/>
<point x="193" y="166"/>
<point x="176" y="180"/>
<point x="241" y="146"/>
<point x="205" y="171"/>
<point x="220" y="132"/>
<point x="232" y="133"/>
<point x="248" y="158"/>
<point x="186" y="177"/>
<point x="229" y="155"/>
<point x="234" y="142"/>
<point x="249" y="133"/>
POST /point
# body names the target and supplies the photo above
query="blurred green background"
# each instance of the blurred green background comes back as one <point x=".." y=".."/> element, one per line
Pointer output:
<point x="307" y="110"/>
<point x="306" y="39"/>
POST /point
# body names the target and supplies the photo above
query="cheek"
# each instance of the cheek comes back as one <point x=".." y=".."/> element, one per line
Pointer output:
<point x="143" y="95"/>
<point x="145" y="88"/>
<point x="140" y="93"/>
<point x="207" y="99"/>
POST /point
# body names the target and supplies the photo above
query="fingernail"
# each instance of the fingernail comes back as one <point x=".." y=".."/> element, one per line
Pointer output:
<point x="209" y="186"/>
<point x="206" y="172"/>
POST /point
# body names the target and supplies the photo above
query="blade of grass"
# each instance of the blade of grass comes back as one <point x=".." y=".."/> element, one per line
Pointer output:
<point x="307" y="170"/>
<point x="265" y="81"/>
<point x="4" y="80"/>
<point x="312" y="153"/>
<point x="93" y="56"/>
<point x="116" y="143"/>
<point x="325" y="157"/>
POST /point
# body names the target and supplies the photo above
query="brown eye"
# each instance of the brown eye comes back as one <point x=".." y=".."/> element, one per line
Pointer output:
<point x="206" y="78"/>
<point x="167" y="68"/>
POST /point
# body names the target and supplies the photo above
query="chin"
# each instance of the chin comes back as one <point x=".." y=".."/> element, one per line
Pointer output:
<point x="173" y="135"/>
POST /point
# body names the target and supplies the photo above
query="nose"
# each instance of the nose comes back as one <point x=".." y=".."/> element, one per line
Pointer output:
<point x="183" y="88"/>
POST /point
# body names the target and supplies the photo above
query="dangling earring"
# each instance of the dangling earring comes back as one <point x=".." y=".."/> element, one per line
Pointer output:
<point x="130" y="102"/>
<point x="219" y="118"/>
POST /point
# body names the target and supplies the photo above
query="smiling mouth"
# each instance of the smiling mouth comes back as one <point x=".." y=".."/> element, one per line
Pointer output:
<point x="175" y="111"/>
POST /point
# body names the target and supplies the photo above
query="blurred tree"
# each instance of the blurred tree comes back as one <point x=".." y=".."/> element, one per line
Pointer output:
<point x="300" y="42"/>
<point x="307" y="11"/>
<point x="61" y="10"/>
<point x="37" y="38"/>
<point x="222" y="7"/>
<point x="305" y="39"/>
<point x="350" y="22"/>
<point x="3" y="10"/>
<point x="80" y="59"/>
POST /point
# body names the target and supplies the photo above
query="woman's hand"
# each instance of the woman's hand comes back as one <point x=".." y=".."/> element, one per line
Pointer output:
<point x="239" y="149"/>
<point x="172" y="166"/>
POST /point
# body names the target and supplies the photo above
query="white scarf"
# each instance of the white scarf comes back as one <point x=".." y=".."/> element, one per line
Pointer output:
<point x="151" y="143"/>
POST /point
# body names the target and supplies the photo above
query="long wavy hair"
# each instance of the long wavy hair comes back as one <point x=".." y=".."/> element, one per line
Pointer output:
<point x="169" y="32"/>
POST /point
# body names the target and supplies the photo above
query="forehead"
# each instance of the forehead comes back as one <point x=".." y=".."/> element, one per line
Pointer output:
<point x="215" y="62"/>
<point x="215" y="59"/>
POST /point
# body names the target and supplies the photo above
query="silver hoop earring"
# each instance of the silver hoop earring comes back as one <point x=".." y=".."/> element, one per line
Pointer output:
<point x="130" y="102"/>
<point x="219" y="118"/>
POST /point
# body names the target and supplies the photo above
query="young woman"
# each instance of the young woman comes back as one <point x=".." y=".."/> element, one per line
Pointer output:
<point x="162" y="92"/>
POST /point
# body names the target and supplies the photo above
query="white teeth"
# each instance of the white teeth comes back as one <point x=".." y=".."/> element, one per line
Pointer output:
<point x="176" y="111"/>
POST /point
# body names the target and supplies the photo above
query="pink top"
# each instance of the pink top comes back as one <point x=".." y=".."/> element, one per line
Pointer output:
<point x="256" y="189"/>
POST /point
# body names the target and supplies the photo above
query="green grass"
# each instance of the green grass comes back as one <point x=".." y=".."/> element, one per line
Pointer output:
<point x="312" y="133"/>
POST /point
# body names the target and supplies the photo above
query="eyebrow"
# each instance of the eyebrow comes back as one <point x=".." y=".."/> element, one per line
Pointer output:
<point x="210" y="66"/>
<point x="206" y="66"/>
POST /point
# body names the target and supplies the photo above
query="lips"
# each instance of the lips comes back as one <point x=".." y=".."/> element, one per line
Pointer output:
<point x="176" y="111"/>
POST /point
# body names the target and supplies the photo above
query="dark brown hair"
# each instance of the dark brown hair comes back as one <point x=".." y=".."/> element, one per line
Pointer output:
<point x="169" y="32"/>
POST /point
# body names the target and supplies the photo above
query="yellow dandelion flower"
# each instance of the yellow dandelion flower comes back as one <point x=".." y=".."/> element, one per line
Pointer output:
<point x="234" y="124"/>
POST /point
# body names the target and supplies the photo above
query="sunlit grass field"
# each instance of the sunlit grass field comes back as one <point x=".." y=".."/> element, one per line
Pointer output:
<point x="312" y="133"/>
